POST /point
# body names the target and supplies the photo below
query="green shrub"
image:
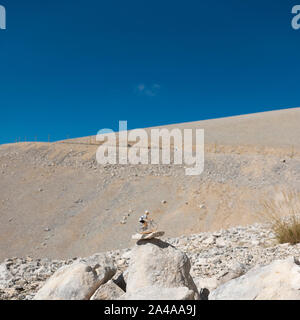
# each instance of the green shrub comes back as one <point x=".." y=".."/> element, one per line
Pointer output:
<point x="283" y="214"/>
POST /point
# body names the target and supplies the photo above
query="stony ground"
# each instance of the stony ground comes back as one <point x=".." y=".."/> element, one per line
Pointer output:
<point x="64" y="204"/>
<point x="56" y="202"/>
<point x="213" y="255"/>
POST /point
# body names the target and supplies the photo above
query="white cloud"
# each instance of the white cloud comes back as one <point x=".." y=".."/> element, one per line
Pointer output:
<point x="141" y="87"/>
<point x="148" y="90"/>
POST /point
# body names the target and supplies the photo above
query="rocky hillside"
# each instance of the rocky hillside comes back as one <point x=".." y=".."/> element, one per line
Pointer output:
<point x="56" y="202"/>
<point x="215" y="258"/>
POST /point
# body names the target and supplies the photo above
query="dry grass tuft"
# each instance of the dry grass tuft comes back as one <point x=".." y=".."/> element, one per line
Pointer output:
<point x="283" y="213"/>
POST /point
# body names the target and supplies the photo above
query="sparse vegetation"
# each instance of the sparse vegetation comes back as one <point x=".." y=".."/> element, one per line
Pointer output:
<point x="283" y="213"/>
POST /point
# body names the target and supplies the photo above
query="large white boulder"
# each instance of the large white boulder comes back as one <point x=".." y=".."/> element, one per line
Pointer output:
<point x="279" y="280"/>
<point x="77" y="281"/>
<point x="159" y="264"/>
<point x="158" y="293"/>
<point x="108" y="291"/>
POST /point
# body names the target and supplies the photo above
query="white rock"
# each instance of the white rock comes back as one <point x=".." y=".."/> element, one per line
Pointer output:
<point x="157" y="293"/>
<point x="126" y="255"/>
<point x="236" y="270"/>
<point x="100" y="260"/>
<point x="279" y="280"/>
<point x="209" y="241"/>
<point x="108" y="291"/>
<point x="220" y="243"/>
<point x="121" y="262"/>
<point x="201" y="262"/>
<point x="77" y="281"/>
<point x="255" y="242"/>
<point x="5" y="276"/>
<point x="157" y="263"/>
<point x="148" y="236"/>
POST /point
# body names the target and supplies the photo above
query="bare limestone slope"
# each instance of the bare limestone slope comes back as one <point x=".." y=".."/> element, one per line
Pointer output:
<point x="57" y="202"/>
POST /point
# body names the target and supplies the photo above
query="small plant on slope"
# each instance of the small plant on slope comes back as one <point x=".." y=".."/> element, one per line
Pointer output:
<point x="283" y="213"/>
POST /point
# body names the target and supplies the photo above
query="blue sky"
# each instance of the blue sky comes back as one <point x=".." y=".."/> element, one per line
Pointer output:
<point x="75" y="67"/>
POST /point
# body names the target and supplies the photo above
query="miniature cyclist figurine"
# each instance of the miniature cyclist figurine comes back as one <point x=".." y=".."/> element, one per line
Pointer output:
<point x="146" y="224"/>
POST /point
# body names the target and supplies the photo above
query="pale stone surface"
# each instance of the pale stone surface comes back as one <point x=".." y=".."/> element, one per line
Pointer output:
<point x="103" y="265"/>
<point x="210" y="240"/>
<point x="279" y="280"/>
<point x="108" y="291"/>
<point x="157" y="263"/>
<point x="220" y="243"/>
<point x="236" y="270"/>
<point x="208" y="261"/>
<point x="208" y="283"/>
<point x="5" y="276"/>
<point x="148" y="236"/>
<point x="158" y="293"/>
<point x="98" y="259"/>
<point x="211" y="283"/>
<point x="78" y="281"/>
